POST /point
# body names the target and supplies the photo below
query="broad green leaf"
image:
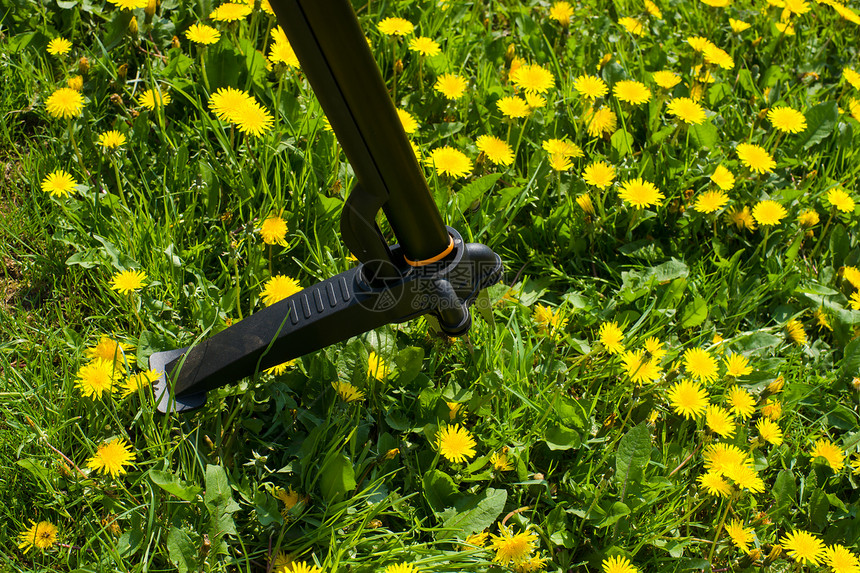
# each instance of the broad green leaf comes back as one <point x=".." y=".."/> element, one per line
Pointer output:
<point x="622" y="142"/>
<point x="474" y="513"/>
<point x="634" y="451"/>
<point x="337" y="477"/>
<point x="615" y="512"/>
<point x="784" y="492"/>
<point x="439" y="490"/>
<point x="694" y="313"/>
<point x="558" y="437"/>
<point x="219" y="501"/>
<point x="409" y="362"/>
<point x="820" y="121"/>
<point x="173" y="485"/>
<point x="182" y="550"/>
<point x="818" y="507"/>
<point x="703" y="135"/>
<point x="475" y="190"/>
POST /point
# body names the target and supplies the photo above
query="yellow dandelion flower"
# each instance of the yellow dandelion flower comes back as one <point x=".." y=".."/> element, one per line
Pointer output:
<point x="641" y="193"/>
<point x="768" y="213"/>
<point x="400" y="568"/>
<point x="718" y="57"/>
<point x="666" y="79"/>
<point x="347" y="392"/>
<point x="40" y="535"/>
<point x="274" y="231"/>
<point x="852" y="275"/>
<point x="720" y="421"/>
<point x="654" y="348"/>
<point x="128" y="281"/>
<point x="455" y="443"/>
<point x="65" y="103"/>
<point x="450" y="161"/>
<point x="111" y="458"/>
<point x="59" y="46"/>
<point x="740" y="402"/>
<point x="632" y="25"/>
<point x="549" y="321"/>
<point x="129" y="4"/>
<point x="795" y="331"/>
<point x="225" y="103"/>
<point x="252" y="118"/>
<point x="769" y="431"/>
<point x="632" y="92"/>
<point x="755" y="157"/>
<point x="721" y="457"/>
<point x="395" y="27"/>
<point x="841" y="559"/>
<point x="700" y="364"/>
<point x="278" y="288"/>
<point x="118" y="353"/>
<point x="639" y="368"/>
<point x="823" y="320"/>
<point x="230" y="12"/>
<point x="717" y="3"/>
<point x="425" y="46"/>
<point x="377" y="367"/>
<point x="59" y="183"/>
<point x="562" y="147"/>
<point x="840" y="200"/>
<point x="600" y="121"/>
<point x="686" y="110"/>
<point x="803" y="546"/>
<point x="141" y="380"/>
<point x="808" y="218"/>
<point x="561" y="12"/>
<point x="833" y="454"/>
<point x="533" y="78"/>
<point x="745" y="477"/>
<point x="478" y="539"/>
<point x="698" y="43"/>
<point x="511" y="548"/>
<point x="97" y="377"/>
<point x="653" y="9"/>
<point x="559" y="162"/>
<point x="300" y="567"/>
<point x="513" y="107"/>
<point x="590" y="87"/>
<point x="711" y="201"/>
<point x="451" y="86"/>
<point x="772" y="409"/>
<point x="112" y="139"/>
<point x="715" y="484"/>
<point x="500" y="462"/>
<point x="723" y="178"/>
<point x="618" y="564"/>
<point x="279" y="369"/>
<point x="786" y="119"/>
<point x="151" y="99"/>
<point x="407" y="120"/>
<point x="688" y="398"/>
<point x="741" y="218"/>
<point x="497" y="150"/>
<point x="612" y="337"/>
<point x="600" y="174"/>
<point x="851" y="77"/>
<point x="741" y="536"/>
<point x="738" y="26"/>
<point x="280" y="50"/>
<point x="202" y="34"/>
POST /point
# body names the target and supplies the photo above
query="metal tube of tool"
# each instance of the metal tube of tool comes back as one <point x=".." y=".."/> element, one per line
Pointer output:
<point x="340" y="67"/>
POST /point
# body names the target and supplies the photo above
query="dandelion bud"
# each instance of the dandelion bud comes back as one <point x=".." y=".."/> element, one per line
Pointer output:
<point x="398" y="66"/>
<point x="122" y="71"/>
<point x="132" y="26"/>
<point x="776" y="386"/>
<point x="584" y="201"/>
<point x="150" y="9"/>
<point x="175" y="42"/>
<point x="76" y="83"/>
<point x="604" y="60"/>
<point x="773" y="555"/>
<point x="392" y="453"/>
<point x="374" y="524"/>
<point x="83" y="65"/>
<point x="510" y="54"/>
<point x="855" y="384"/>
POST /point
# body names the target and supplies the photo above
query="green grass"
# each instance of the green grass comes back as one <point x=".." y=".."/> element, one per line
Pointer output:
<point x="600" y="466"/>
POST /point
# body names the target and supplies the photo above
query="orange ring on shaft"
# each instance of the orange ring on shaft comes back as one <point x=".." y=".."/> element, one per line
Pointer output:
<point x="438" y="257"/>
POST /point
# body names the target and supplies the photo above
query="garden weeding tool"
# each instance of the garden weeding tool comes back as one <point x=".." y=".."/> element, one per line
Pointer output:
<point x="431" y="270"/>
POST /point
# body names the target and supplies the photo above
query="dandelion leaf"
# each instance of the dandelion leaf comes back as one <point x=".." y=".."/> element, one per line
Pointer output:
<point x="182" y="550"/>
<point x="173" y="485"/>
<point x="634" y="451"/>
<point x="337" y="476"/>
<point x="439" y="490"/>
<point x="474" y="513"/>
<point x="821" y="119"/>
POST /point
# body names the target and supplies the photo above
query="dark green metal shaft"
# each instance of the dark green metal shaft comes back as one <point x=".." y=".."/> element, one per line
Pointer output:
<point x="340" y="67"/>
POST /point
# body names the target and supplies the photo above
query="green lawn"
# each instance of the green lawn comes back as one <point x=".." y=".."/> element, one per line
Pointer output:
<point x="668" y="376"/>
